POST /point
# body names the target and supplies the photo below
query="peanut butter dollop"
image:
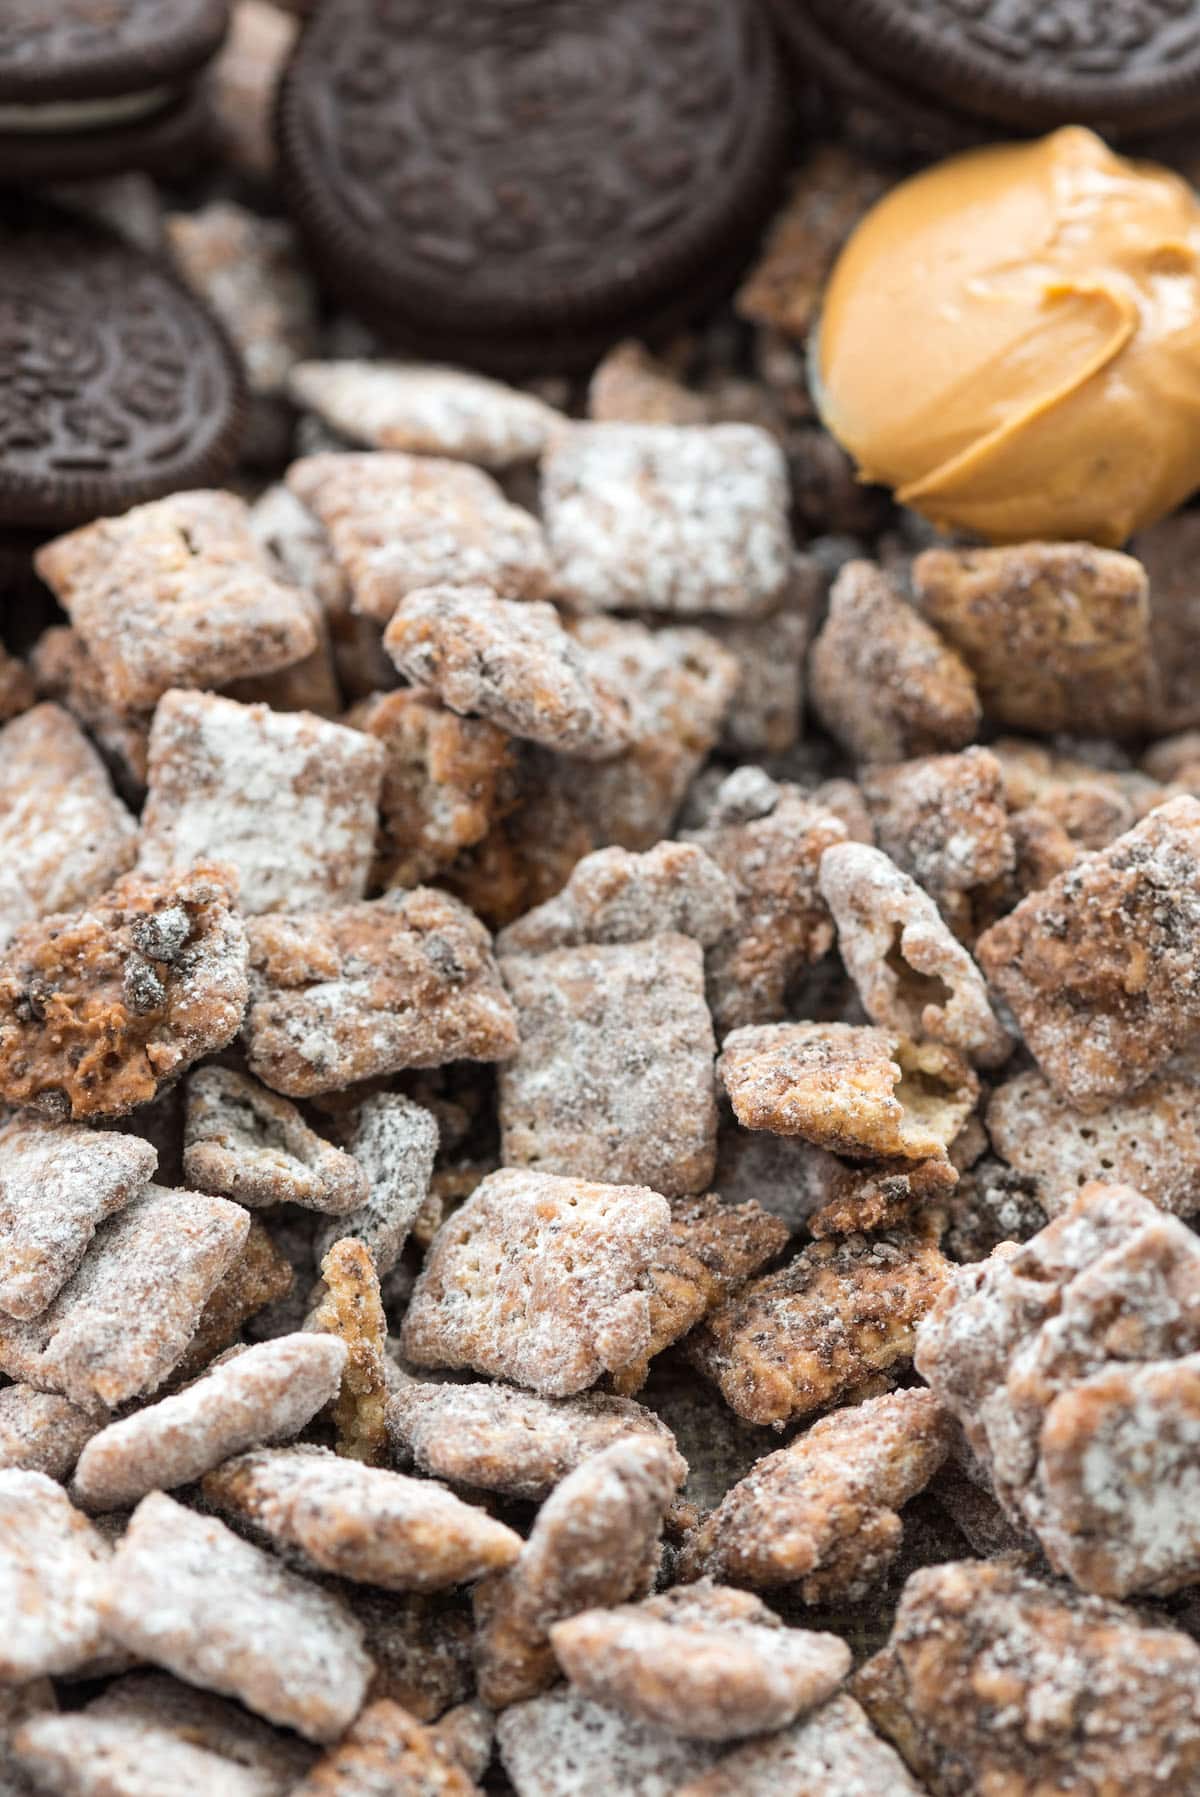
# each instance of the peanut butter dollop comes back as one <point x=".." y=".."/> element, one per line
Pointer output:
<point x="1011" y="340"/>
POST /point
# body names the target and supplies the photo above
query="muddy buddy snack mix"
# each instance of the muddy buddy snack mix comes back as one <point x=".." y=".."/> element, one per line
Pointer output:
<point x="599" y="899"/>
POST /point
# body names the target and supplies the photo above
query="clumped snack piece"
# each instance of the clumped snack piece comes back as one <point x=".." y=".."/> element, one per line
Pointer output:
<point x="848" y="1087"/>
<point x="387" y="1753"/>
<point x="394" y="1142"/>
<point x="563" y="1745"/>
<point x="176" y="593"/>
<point x="596" y="1541"/>
<point x="41" y="1432"/>
<point x="782" y="924"/>
<point x="842" y="1312"/>
<point x="540" y="1280"/>
<point x="613" y="896"/>
<point x="398" y="523"/>
<point x="266" y="1394"/>
<point x="446" y="781"/>
<point x="98" y="1010"/>
<point x="188" y="1594"/>
<point x="510" y="661"/>
<point x="156" y="1700"/>
<point x="286" y="799"/>
<point x="911" y="974"/>
<point x="1073" y="1365"/>
<point x="64" y="834"/>
<point x="821" y="1515"/>
<point x="84" y="1755"/>
<point x="996" y="1680"/>
<point x="125" y="1319"/>
<point x="496" y="1438"/>
<point x="1102" y="968"/>
<point x="942" y="819"/>
<point x="57" y="1182"/>
<point x="68" y="675"/>
<point x="350" y="1308"/>
<point x="881" y="680"/>
<point x="708" y="1662"/>
<point x="361" y="1522"/>
<point x="878" y="1195"/>
<point x="1057" y="635"/>
<point x="1149" y="1140"/>
<point x="251" y="1145"/>
<point x="667" y="518"/>
<point x="427" y="410"/>
<point x="53" y="1567"/>
<point x="407" y="980"/>
<point x="834" y="1749"/>
<point x="627" y="1025"/>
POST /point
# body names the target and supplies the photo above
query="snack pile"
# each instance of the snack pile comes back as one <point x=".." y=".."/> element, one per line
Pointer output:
<point x="599" y="1076"/>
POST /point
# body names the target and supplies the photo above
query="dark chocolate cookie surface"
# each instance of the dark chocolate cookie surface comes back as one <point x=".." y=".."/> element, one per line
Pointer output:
<point x="115" y="385"/>
<point x="1124" y="65"/>
<point x="487" y="172"/>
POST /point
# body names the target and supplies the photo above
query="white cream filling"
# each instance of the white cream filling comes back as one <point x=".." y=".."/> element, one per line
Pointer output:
<point x="84" y="115"/>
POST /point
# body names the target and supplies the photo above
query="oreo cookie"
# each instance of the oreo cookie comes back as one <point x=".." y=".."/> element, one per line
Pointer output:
<point x="115" y="385"/>
<point x="1014" y="65"/>
<point x="515" y="183"/>
<point x="90" y="87"/>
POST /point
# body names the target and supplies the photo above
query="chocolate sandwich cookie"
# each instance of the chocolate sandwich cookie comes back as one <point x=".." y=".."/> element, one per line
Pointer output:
<point x="518" y="185"/>
<point x="1007" y="64"/>
<point x="115" y="385"/>
<point x="89" y="87"/>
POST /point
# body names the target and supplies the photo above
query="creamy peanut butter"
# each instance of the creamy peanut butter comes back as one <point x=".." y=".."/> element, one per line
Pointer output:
<point x="1011" y="340"/>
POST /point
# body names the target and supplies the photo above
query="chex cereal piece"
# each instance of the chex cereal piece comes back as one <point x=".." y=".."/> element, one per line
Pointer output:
<point x="613" y="1074"/>
<point x="155" y="1699"/>
<point x="1168" y="551"/>
<point x="563" y="1745"/>
<point x="99" y="1008"/>
<point x="266" y="1394"/>
<point x="84" y="1755"/>
<point x="67" y="674"/>
<point x="1102" y="968"/>
<point x="259" y="1275"/>
<point x="18" y="690"/>
<point x="942" y="818"/>
<point x="667" y="518"/>
<point x="630" y="386"/>
<point x="844" y="1310"/>
<point x="767" y="710"/>
<point x="176" y="593"/>
<point x="497" y="1438"/>
<point x="349" y="1307"/>
<point x="1073" y="1365"/>
<point x="401" y="522"/>
<point x="387" y="1753"/>
<point x="1057" y="635"/>
<point x="41" y="1432"/>
<point x="848" y="1087"/>
<point x="783" y="924"/>
<point x="834" y="1749"/>
<point x="299" y="545"/>
<point x="186" y="1593"/>
<point x="1149" y="1140"/>
<point x="539" y="1280"/>
<point x="829" y="193"/>
<point x="596" y="1541"/>
<point x="53" y="1565"/>
<point x="528" y="854"/>
<point x="613" y="896"/>
<point x="709" y="1662"/>
<point x="407" y="980"/>
<point x="361" y="1522"/>
<point x="308" y="685"/>
<point x="881" y="680"/>
<point x="822" y="1513"/>
<point x="249" y="1144"/>
<point x="911" y="974"/>
<point x="878" y="1195"/>
<point x="241" y="84"/>
<point x="466" y="1733"/>
<point x="285" y="798"/>
<point x="427" y="410"/>
<point x="64" y="834"/>
<point x="1094" y="804"/>
<point x="248" y="270"/>
<point x="713" y="1248"/>
<point x="446" y="780"/>
<point x="123" y="1321"/>
<point x="394" y="1144"/>
<point x="57" y="1182"/>
<point x="996" y="1681"/>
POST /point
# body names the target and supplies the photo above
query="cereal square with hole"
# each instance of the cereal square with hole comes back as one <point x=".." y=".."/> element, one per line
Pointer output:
<point x="613" y="1074"/>
<point x="286" y="799"/>
<point x="176" y="593"/>
<point x="398" y="523"/>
